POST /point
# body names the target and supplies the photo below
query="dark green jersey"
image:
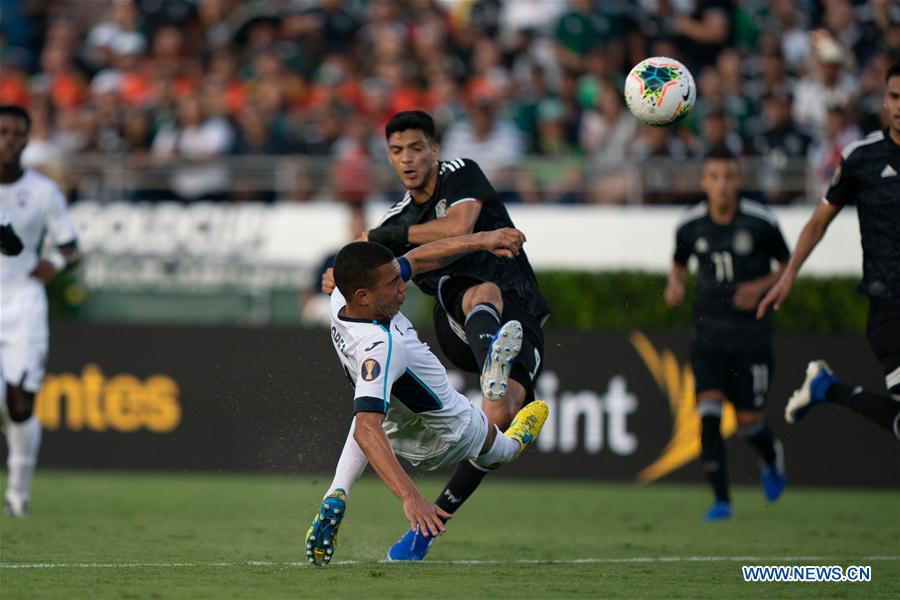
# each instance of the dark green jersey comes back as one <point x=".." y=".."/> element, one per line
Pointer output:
<point x="727" y="255"/>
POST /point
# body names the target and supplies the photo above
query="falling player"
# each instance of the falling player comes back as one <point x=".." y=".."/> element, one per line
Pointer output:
<point x="404" y="404"/>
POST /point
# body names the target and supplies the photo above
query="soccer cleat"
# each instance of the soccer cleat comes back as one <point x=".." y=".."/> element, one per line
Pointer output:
<point x="719" y="511"/>
<point x="527" y="424"/>
<point x="15" y="509"/>
<point x="772" y="477"/>
<point x="504" y="349"/>
<point x="412" y="546"/>
<point x="819" y="378"/>
<point x="322" y="535"/>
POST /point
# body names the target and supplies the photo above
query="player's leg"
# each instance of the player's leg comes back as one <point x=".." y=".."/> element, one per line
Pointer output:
<point x="23" y="431"/>
<point x="709" y="384"/>
<point x="821" y="386"/>
<point x="754" y="369"/>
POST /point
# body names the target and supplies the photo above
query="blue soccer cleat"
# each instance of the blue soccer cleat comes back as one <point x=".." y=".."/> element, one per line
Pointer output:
<point x="819" y="378"/>
<point x="322" y="535"/>
<point x="504" y="349"/>
<point x="719" y="511"/>
<point x="412" y="546"/>
<point x="773" y="478"/>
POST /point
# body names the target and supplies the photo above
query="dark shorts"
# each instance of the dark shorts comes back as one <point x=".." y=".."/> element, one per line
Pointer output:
<point x="883" y="332"/>
<point x="744" y="375"/>
<point x="451" y="333"/>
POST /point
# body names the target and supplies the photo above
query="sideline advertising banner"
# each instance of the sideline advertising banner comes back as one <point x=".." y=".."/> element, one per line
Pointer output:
<point x="276" y="400"/>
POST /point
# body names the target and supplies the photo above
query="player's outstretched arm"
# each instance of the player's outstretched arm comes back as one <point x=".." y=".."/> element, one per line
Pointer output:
<point x="422" y="514"/>
<point x="810" y="236"/>
<point x="459" y="220"/>
<point x="506" y="242"/>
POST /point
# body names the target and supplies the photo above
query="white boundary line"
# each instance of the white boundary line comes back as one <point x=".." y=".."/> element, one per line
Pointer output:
<point x="573" y="561"/>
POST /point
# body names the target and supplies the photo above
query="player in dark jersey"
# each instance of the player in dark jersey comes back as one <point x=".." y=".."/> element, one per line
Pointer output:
<point x="479" y="299"/>
<point x="734" y="241"/>
<point x="869" y="175"/>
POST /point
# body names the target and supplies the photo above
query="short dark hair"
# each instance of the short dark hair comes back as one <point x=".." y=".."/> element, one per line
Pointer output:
<point x="355" y="265"/>
<point x="719" y="153"/>
<point x="16" y="111"/>
<point x="411" y="119"/>
<point x="893" y="71"/>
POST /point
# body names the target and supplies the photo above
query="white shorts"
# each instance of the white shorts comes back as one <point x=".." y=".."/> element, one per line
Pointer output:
<point x="422" y="448"/>
<point x="24" y="334"/>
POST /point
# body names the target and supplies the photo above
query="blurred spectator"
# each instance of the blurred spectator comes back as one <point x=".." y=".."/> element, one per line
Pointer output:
<point x="190" y="146"/>
<point x="493" y="142"/>
<point x="703" y="32"/>
<point x="826" y="153"/>
<point x="607" y="129"/>
<point x="778" y="142"/>
<point x="827" y="85"/>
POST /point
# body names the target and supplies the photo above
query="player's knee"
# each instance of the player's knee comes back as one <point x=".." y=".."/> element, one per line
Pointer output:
<point x="19" y="403"/>
<point x="487" y="292"/>
<point x="748" y="419"/>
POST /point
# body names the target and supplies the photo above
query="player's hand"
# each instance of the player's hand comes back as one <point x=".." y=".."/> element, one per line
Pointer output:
<point x="328" y="281"/>
<point x="423" y="516"/>
<point x="506" y="242"/>
<point x="776" y="296"/>
<point x="747" y="294"/>
<point x="44" y="271"/>
<point x="674" y="293"/>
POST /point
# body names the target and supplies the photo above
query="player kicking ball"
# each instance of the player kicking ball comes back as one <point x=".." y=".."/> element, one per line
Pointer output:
<point x="404" y="404"/>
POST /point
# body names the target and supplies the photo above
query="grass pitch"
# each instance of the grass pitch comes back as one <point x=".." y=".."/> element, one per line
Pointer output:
<point x="127" y="535"/>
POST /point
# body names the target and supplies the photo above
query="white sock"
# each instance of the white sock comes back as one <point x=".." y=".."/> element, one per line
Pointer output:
<point x="24" y="440"/>
<point x="502" y="451"/>
<point x="351" y="465"/>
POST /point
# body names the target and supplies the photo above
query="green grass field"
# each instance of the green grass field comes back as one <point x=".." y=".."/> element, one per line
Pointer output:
<point x="127" y="535"/>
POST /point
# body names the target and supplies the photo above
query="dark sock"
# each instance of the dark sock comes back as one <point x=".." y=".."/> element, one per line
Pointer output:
<point x="760" y="437"/>
<point x="880" y="408"/>
<point x="482" y="323"/>
<point x="464" y="481"/>
<point x="712" y="456"/>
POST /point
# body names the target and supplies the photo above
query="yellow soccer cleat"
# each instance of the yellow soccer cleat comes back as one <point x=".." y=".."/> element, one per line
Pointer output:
<point x="322" y="535"/>
<point x="528" y="423"/>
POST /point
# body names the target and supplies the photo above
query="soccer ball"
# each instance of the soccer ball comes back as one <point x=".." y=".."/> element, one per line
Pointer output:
<point x="660" y="91"/>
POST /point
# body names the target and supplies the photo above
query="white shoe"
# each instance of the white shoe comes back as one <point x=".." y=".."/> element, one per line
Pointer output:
<point x="15" y="508"/>
<point x="504" y="349"/>
<point x="803" y="399"/>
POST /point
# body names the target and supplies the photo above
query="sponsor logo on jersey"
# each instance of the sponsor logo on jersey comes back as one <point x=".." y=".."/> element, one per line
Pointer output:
<point x="743" y="242"/>
<point x="701" y="246"/>
<point x="370" y="369"/>
<point x="441" y="209"/>
<point x="888" y="171"/>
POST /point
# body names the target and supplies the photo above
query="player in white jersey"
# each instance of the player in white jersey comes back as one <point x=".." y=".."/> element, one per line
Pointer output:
<point x="404" y="404"/>
<point x="34" y="205"/>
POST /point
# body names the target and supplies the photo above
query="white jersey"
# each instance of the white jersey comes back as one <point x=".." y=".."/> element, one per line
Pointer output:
<point x="34" y="205"/>
<point x="426" y="420"/>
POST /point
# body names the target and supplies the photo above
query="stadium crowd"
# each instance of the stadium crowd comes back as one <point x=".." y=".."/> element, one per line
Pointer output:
<point x="530" y="89"/>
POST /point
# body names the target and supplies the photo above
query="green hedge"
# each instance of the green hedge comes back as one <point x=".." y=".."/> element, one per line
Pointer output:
<point x="621" y="301"/>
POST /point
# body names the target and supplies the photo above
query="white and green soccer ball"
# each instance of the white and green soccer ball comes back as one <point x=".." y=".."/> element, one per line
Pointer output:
<point x="660" y="91"/>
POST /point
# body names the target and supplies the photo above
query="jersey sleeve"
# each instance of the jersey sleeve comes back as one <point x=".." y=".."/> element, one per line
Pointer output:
<point x="468" y="183"/>
<point x="843" y="187"/>
<point x="381" y="362"/>
<point x="682" y="246"/>
<point x="58" y="222"/>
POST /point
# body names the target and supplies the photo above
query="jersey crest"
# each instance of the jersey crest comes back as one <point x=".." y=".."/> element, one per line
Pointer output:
<point x="743" y="242"/>
<point x="370" y="369"/>
<point x="440" y="210"/>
